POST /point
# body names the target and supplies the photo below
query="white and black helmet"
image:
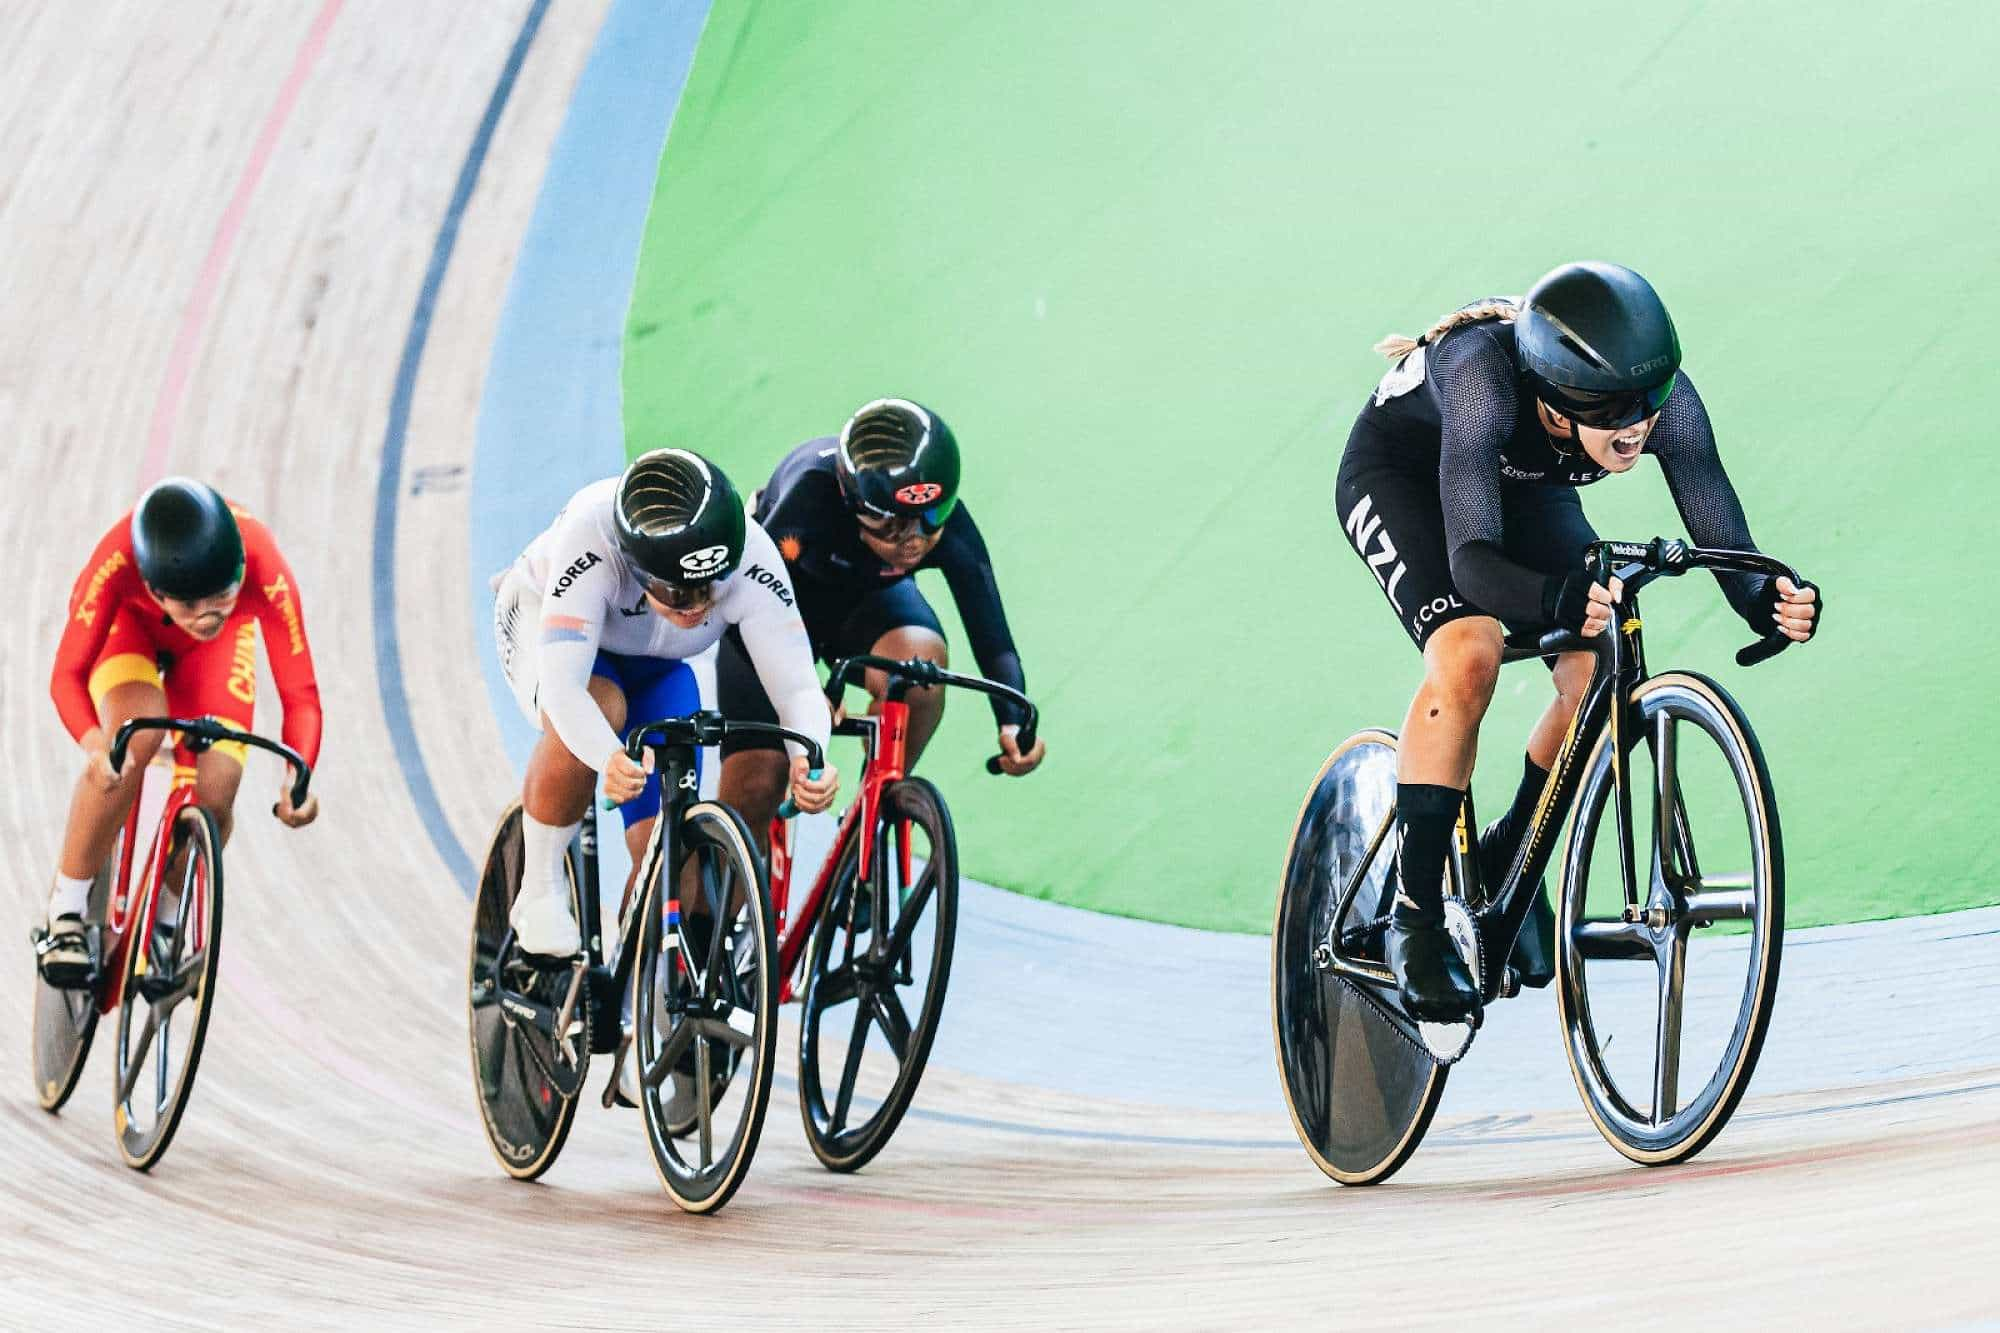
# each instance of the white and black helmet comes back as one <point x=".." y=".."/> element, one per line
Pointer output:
<point x="679" y="520"/>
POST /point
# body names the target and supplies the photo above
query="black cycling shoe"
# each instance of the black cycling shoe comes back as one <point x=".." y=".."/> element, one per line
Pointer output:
<point x="62" y="953"/>
<point x="1430" y="976"/>
<point x="1534" y="956"/>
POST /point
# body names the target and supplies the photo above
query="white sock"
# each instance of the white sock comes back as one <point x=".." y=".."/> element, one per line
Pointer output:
<point x="543" y="847"/>
<point x="71" y="897"/>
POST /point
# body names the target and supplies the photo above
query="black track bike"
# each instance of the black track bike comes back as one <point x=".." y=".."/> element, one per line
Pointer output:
<point x="692" y="989"/>
<point x="1666" y="952"/>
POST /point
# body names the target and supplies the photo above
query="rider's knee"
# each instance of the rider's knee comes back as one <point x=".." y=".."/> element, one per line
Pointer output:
<point x="757" y="779"/>
<point x="903" y="643"/>
<point x="1572" y="677"/>
<point x="139" y="752"/>
<point x="1462" y="676"/>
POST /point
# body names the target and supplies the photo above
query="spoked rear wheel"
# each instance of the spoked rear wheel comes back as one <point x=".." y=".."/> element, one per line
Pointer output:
<point x="706" y="1007"/>
<point x="1664" y="1008"/>
<point x="525" y="1079"/>
<point x="66" y="1017"/>
<point x="875" y="979"/>
<point x="1360" y="1089"/>
<point x="168" y="981"/>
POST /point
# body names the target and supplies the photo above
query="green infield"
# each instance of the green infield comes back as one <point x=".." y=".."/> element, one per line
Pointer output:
<point x="1137" y="255"/>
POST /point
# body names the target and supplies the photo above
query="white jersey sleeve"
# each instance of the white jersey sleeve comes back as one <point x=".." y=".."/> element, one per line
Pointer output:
<point x="583" y="582"/>
<point x="766" y="612"/>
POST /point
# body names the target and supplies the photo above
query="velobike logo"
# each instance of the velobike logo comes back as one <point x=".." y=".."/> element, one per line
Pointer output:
<point x="760" y="575"/>
<point x="243" y="664"/>
<point x="279" y="594"/>
<point x="1364" y="526"/>
<point x="86" y="610"/>
<point x="588" y="560"/>
<point x="920" y="493"/>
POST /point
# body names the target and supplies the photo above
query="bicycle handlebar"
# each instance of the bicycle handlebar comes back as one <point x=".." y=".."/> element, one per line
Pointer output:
<point x="917" y="671"/>
<point x="708" y="728"/>
<point x="207" y="731"/>
<point x="1667" y="557"/>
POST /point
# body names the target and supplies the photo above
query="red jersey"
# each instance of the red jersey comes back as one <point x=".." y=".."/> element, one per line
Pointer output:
<point x="110" y="587"/>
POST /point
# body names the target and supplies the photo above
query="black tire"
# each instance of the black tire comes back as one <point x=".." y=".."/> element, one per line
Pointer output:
<point x="734" y="987"/>
<point x="911" y="955"/>
<point x="1594" y="945"/>
<point x="164" y="974"/>
<point x="526" y="1112"/>
<point x="65" y="1016"/>
<point x="1361" y="1091"/>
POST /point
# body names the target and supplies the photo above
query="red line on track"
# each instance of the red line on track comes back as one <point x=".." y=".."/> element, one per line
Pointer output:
<point x="194" y="320"/>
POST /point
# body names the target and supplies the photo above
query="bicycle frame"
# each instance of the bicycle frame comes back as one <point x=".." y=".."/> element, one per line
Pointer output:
<point x="1620" y="670"/>
<point x="885" y="735"/>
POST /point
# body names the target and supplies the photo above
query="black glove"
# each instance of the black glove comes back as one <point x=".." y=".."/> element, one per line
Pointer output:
<point x="1566" y="601"/>
<point x="1769" y="602"/>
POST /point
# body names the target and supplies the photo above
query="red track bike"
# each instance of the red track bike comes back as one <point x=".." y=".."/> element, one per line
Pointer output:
<point x="868" y="952"/>
<point x="154" y="942"/>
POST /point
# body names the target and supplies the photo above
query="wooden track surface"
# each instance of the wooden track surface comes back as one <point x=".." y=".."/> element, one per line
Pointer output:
<point x="331" y="1170"/>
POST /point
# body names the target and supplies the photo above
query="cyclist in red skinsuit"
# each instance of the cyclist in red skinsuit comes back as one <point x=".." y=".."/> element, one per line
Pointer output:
<point x="133" y="650"/>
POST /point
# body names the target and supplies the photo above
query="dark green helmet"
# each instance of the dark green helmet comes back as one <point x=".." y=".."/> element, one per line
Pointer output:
<point x="679" y="520"/>
<point x="186" y="541"/>
<point x="899" y="460"/>
<point x="1596" y="345"/>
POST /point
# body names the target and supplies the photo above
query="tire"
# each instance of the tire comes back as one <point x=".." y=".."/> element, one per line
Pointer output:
<point x="1594" y="948"/>
<point x="912" y="955"/>
<point x="1360" y="1090"/>
<point x="735" y="986"/>
<point x="165" y="972"/>
<point x="66" y="1017"/>
<point x="526" y="1113"/>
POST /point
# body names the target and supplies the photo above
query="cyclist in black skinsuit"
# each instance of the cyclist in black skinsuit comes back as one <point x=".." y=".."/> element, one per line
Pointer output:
<point x="1458" y="488"/>
<point x="854" y="518"/>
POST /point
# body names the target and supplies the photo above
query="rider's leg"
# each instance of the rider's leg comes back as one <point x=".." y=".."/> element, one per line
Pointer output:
<point x="1434" y="764"/>
<point x="927" y="703"/>
<point x="554" y="796"/>
<point x="755" y="770"/>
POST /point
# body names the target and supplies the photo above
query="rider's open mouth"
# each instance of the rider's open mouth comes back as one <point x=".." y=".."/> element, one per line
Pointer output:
<point x="1628" y="448"/>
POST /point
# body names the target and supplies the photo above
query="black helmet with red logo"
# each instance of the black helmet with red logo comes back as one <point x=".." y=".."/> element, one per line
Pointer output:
<point x="898" y="460"/>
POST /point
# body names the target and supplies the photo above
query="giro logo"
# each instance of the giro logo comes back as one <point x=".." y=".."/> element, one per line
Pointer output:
<point x="1645" y="366"/>
<point x="1365" y="526"/>
<point x="920" y="493"/>
<point x="760" y="575"/>
<point x="588" y="560"/>
<point x="706" y="561"/>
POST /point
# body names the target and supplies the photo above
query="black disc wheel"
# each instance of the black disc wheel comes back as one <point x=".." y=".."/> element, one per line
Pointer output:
<point x="875" y="979"/>
<point x="166" y="989"/>
<point x="66" y="1016"/>
<point x="525" y="1075"/>
<point x="1360" y="1088"/>
<point x="1665" y="992"/>
<point x="705" y="1010"/>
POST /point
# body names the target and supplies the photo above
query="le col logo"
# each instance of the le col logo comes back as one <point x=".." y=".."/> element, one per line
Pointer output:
<point x="1365" y="526"/>
<point x="1434" y="608"/>
<point x="759" y="574"/>
<point x="707" y="560"/>
<point x="920" y="493"/>
<point x="588" y="560"/>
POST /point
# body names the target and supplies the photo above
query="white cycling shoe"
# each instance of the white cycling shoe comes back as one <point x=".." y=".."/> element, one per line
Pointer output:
<point x="544" y="926"/>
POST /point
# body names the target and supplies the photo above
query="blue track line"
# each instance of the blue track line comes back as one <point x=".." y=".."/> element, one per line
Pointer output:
<point x="388" y="488"/>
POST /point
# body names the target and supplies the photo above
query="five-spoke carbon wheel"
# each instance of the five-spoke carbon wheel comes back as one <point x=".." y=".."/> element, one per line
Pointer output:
<point x="526" y="1080"/>
<point x="705" y="1010"/>
<point x="168" y="982"/>
<point x="1360" y="1089"/>
<point x="1665" y="996"/>
<point x="875" y="979"/>
<point x="65" y="1016"/>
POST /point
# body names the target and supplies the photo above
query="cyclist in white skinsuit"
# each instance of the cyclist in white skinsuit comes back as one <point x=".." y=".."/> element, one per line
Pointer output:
<point x="594" y="623"/>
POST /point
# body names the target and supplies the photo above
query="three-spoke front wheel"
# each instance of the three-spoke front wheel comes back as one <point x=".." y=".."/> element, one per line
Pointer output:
<point x="875" y="978"/>
<point x="165" y="990"/>
<point x="1665" y="984"/>
<point x="705" y="1010"/>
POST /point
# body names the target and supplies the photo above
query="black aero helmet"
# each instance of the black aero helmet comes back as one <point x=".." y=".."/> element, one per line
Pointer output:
<point x="1596" y="344"/>
<point x="186" y="541"/>
<point x="679" y="520"/>
<point x="897" y="460"/>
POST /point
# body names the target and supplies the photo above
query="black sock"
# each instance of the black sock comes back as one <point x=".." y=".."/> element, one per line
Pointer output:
<point x="1533" y="776"/>
<point x="1426" y="817"/>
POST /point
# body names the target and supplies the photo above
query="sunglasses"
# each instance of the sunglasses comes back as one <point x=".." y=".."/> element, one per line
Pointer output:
<point x="1611" y="411"/>
<point x="682" y="597"/>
